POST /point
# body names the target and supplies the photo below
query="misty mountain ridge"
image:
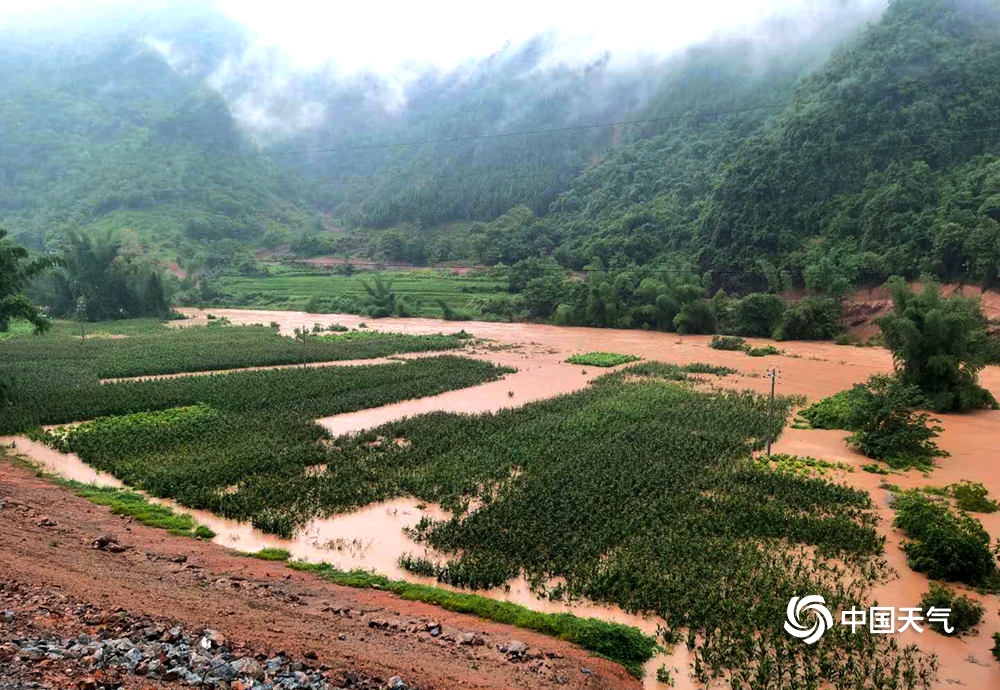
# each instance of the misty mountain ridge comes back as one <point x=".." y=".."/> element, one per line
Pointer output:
<point x="211" y="146"/>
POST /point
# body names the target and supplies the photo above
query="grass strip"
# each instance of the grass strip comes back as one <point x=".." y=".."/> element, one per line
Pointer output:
<point x="622" y="644"/>
<point x="269" y="554"/>
<point x="134" y="505"/>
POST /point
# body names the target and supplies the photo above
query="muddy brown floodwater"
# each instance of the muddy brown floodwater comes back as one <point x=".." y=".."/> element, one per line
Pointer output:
<point x="374" y="538"/>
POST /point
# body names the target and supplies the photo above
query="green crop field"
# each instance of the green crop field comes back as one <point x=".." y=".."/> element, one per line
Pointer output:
<point x="55" y="377"/>
<point x="164" y="350"/>
<point x="324" y="292"/>
<point x="189" y="438"/>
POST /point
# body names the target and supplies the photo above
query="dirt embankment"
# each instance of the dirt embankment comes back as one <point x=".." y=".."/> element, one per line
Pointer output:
<point x="357" y="638"/>
<point x="865" y="306"/>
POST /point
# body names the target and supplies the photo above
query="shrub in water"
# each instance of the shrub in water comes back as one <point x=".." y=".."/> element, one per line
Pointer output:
<point x="887" y="424"/>
<point x="829" y="413"/>
<point x="601" y="359"/>
<point x="939" y="344"/>
<point x="728" y="342"/>
<point x="974" y="497"/>
<point x="965" y="613"/>
<point x="764" y="351"/>
<point x="945" y="545"/>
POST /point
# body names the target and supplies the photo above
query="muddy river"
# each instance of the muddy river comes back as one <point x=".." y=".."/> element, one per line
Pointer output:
<point x="373" y="537"/>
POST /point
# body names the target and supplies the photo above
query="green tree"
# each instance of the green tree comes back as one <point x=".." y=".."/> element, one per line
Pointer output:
<point x="111" y="273"/>
<point x="381" y="296"/>
<point x="541" y="295"/>
<point x="939" y="344"/>
<point x="757" y="314"/>
<point x="811" y="318"/>
<point x="696" y="317"/>
<point x="17" y="269"/>
<point x="886" y="423"/>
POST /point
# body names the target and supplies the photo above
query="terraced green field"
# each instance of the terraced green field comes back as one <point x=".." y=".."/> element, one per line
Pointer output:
<point x="332" y="293"/>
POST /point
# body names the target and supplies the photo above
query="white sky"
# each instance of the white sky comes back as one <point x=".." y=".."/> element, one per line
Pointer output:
<point x="386" y="35"/>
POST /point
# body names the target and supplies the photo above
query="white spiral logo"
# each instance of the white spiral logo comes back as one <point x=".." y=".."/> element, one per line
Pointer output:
<point x="821" y="622"/>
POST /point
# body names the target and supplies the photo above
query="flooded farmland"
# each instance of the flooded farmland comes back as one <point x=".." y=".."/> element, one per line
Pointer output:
<point x="374" y="537"/>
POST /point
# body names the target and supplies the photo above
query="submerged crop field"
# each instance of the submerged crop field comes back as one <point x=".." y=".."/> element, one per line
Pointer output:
<point x="192" y="438"/>
<point x="641" y="491"/>
<point x="56" y="378"/>
<point x="155" y="349"/>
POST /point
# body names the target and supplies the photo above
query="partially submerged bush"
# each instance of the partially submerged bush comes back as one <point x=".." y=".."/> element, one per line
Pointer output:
<point x="702" y="368"/>
<point x="731" y="343"/>
<point x="830" y="413"/>
<point x="965" y="613"/>
<point x="763" y="351"/>
<point x="939" y="344"/>
<point x="943" y="544"/>
<point x="887" y="426"/>
<point x="883" y="414"/>
<point x="601" y="359"/>
<point x="974" y="497"/>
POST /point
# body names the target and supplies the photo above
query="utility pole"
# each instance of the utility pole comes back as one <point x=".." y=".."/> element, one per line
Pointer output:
<point x="773" y="375"/>
<point x="81" y="316"/>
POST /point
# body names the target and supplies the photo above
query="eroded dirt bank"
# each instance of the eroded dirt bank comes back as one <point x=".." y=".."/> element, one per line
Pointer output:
<point x="46" y="546"/>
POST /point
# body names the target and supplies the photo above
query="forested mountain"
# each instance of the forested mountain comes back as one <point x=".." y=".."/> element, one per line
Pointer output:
<point x="779" y="157"/>
<point x="101" y="132"/>
<point x="475" y="166"/>
<point x="884" y="162"/>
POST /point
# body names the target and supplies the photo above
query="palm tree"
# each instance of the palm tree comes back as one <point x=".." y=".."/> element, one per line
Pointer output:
<point x="382" y="297"/>
<point x="16" y="271"/>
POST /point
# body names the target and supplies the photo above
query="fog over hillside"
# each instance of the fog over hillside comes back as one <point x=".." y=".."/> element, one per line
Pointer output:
<point x="746" y="138"/>
<point x="280" y="66"/>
